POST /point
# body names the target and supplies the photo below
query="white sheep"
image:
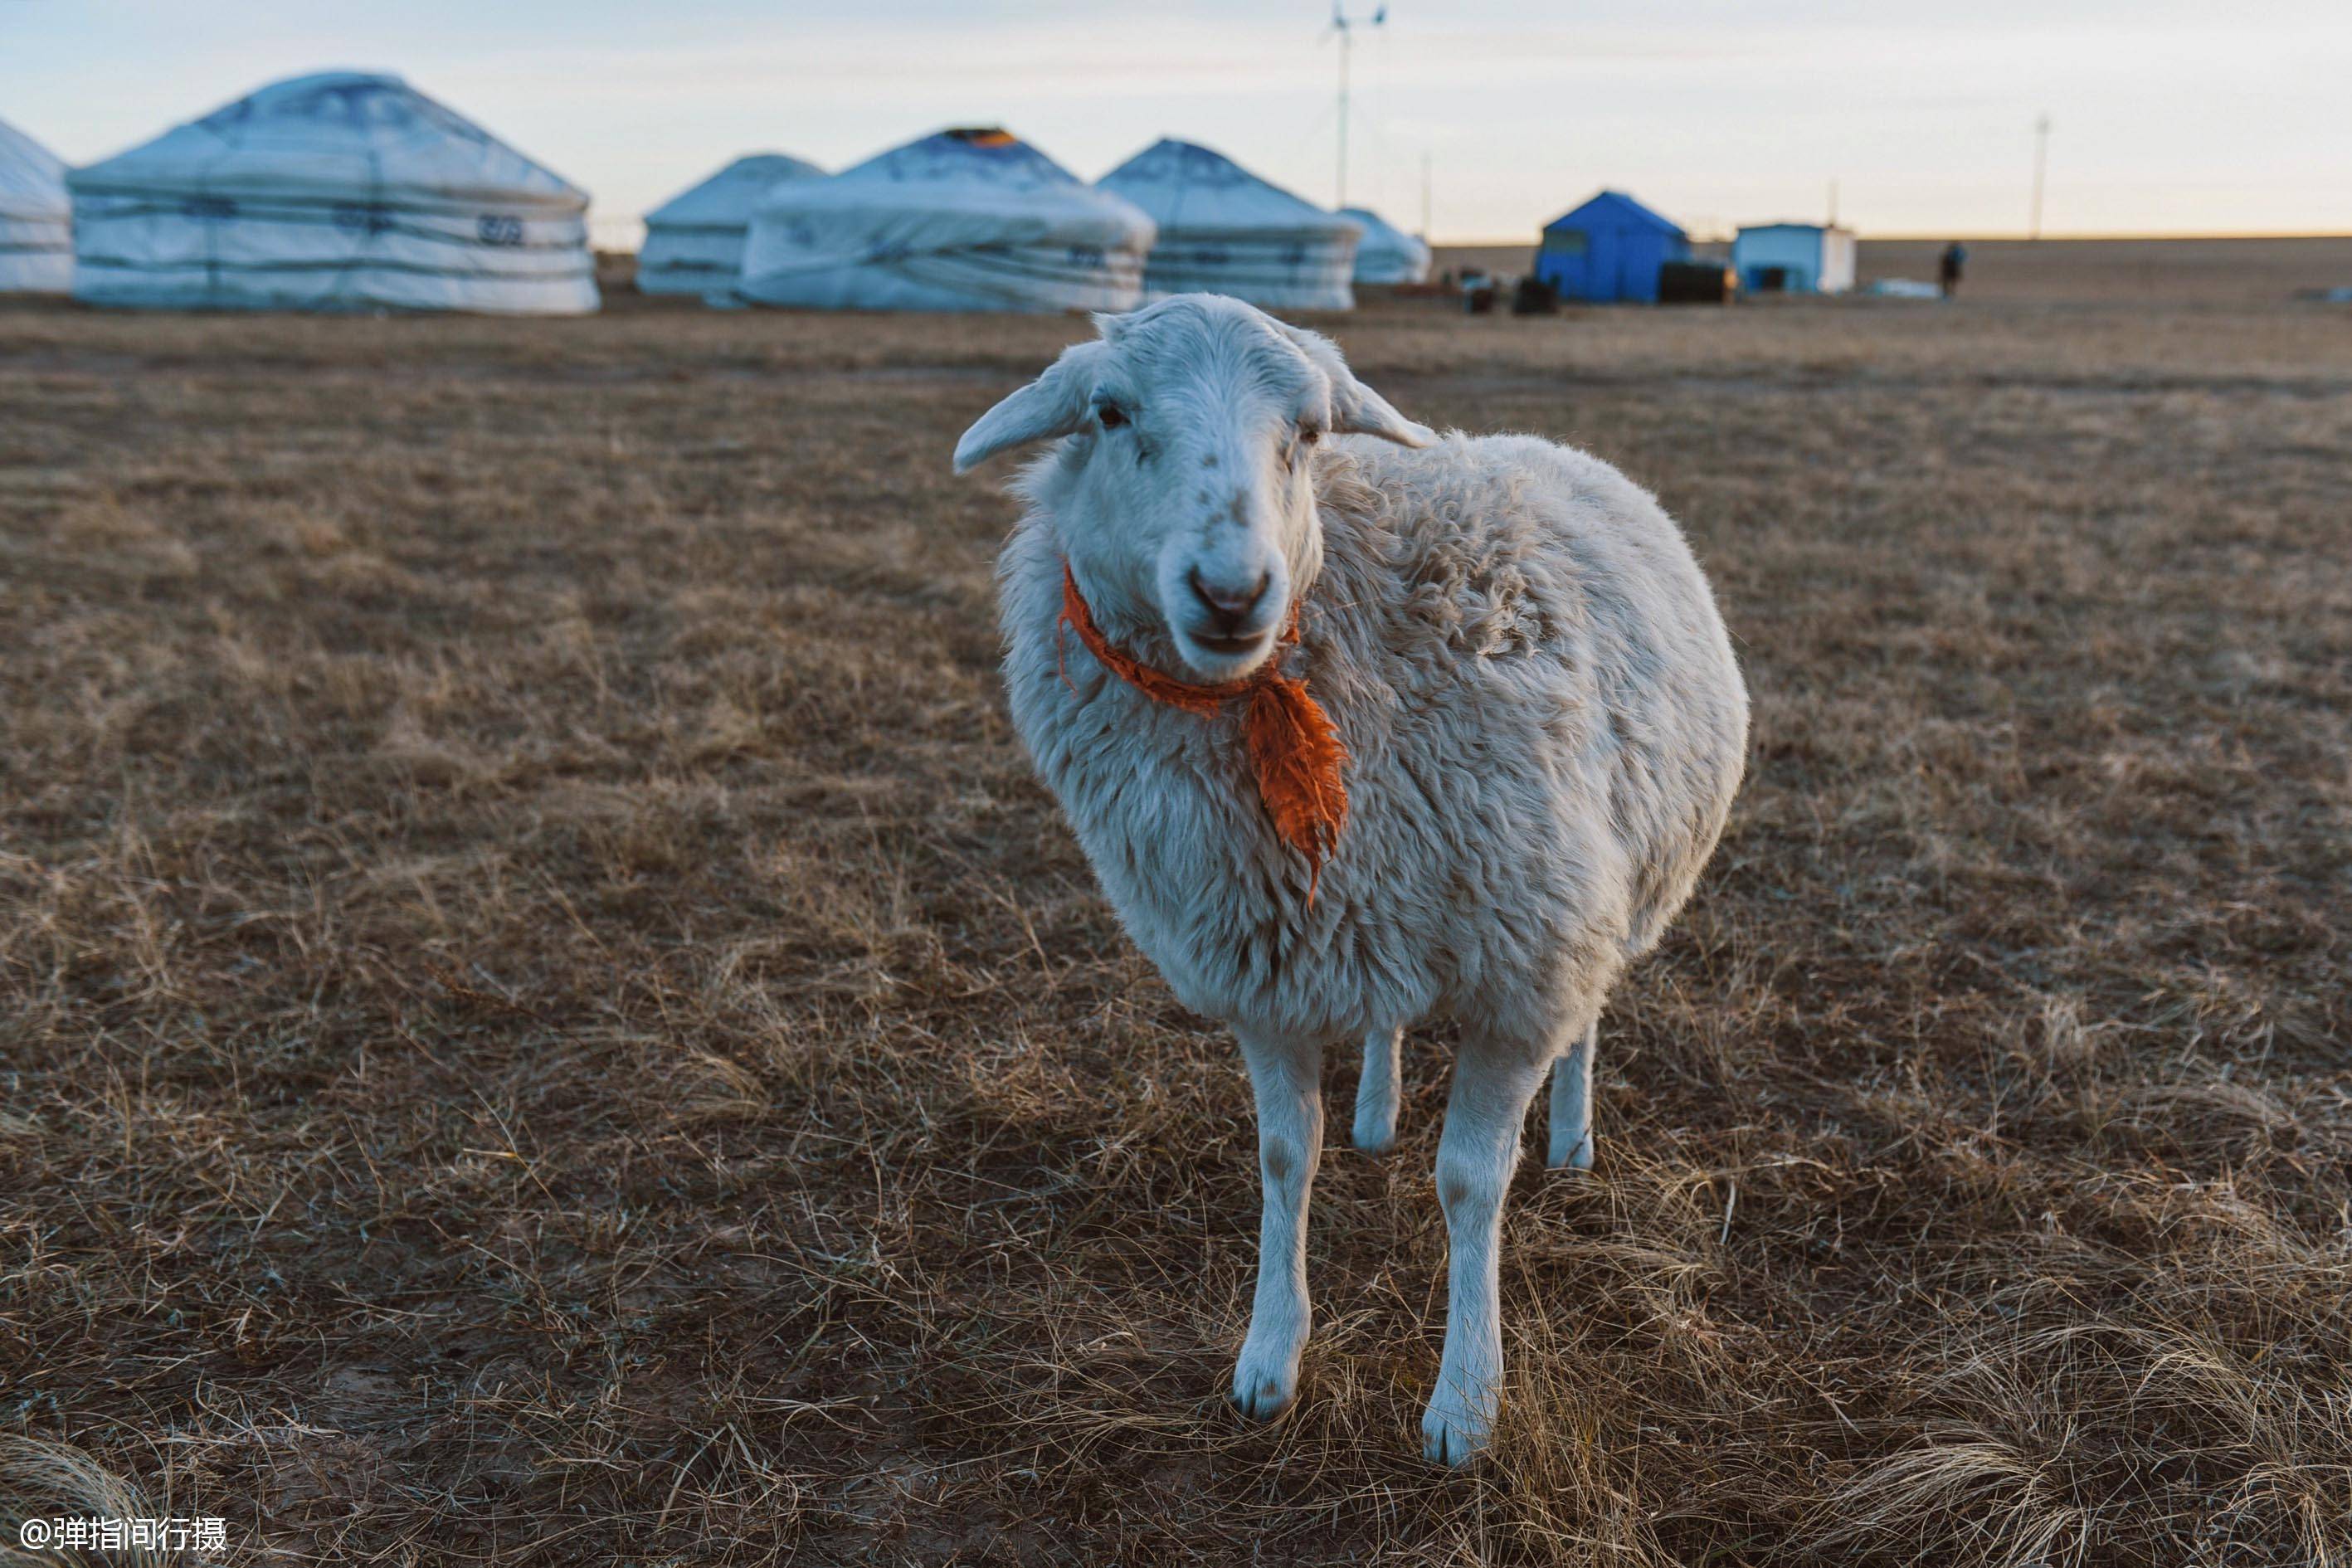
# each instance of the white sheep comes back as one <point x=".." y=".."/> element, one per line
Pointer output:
<point x="1544" y="727"/>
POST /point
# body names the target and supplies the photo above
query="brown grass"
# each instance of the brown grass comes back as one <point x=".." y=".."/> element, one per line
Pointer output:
<point x="545" y="1020"/>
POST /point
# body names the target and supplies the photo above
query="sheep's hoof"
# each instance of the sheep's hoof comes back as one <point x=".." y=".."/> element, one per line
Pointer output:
<point x="1451" y="1434"/>
<point x="1265" y="1376"/>
<point x="1579" y="1158"/>
<point x="1375" y="1138"/>
<point x="1262" y="1396"/>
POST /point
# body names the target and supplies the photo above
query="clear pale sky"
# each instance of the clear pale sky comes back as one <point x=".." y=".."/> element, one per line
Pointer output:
<point x="2168" y="117"/>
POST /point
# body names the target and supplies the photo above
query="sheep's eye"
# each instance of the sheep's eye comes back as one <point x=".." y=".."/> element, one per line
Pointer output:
<point x="1111" y="415"/>
<point x="1308" y="434"/>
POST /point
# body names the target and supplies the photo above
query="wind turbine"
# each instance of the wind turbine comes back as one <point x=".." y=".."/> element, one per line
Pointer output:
<point x="1345" y="26"/>
<point x="2040" y="167"/>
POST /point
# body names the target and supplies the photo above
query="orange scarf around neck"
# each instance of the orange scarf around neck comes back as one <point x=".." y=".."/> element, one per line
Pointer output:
<point x="1294" y="751"/>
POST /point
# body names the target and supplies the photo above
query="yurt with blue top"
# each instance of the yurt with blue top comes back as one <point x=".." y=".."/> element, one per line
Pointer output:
<point x="960" y="220"/>
<point x="343" y="191"/>
<point x="1609" y="249"/>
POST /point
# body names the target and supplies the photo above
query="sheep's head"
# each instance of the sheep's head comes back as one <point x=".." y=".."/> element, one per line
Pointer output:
<point x="1183" y="493"/>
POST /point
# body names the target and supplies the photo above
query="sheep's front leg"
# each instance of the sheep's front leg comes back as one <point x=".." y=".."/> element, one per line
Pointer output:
<point x="1379" y="1091"/>
<point x="1571" y="1105"/>
<point x="1287" y="1076"/>
<point x="1493" y="1082"/>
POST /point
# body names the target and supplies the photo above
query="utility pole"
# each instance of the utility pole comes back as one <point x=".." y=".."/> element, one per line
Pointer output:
<point x="1345" y="26"/>
<point x="2040" y="167"/>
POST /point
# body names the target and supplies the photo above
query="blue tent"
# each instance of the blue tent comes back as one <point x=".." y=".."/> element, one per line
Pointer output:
<point x="1609" y="249"/>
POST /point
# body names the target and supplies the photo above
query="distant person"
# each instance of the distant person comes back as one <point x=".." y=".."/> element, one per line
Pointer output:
<point x="1953" y="260"/>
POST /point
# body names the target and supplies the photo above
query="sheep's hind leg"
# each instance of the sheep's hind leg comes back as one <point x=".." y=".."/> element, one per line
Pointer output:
<point x="1570" y="1145"/>
<point x="1494" y="1080"/>
<point x="1287" y="1076"/>
<point x="1379" y="1091"/>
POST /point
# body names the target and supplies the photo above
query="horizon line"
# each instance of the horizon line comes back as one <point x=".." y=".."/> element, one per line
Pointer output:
<point x="2004" y="236"/>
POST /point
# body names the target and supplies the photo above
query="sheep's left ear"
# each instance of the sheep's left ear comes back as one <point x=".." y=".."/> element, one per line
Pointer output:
<point x="1056" y="403"/>
<point x="1357" y="409"/>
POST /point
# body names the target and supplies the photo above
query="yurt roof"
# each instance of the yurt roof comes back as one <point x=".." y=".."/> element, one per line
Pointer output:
<point x="334" y="135"/>
<point x="983" y="174"/>
<point x="1192" y="189"/>
<point x="1379" y="232"/>
<point x="32" y="178"/>
<point x="728" y="197"/>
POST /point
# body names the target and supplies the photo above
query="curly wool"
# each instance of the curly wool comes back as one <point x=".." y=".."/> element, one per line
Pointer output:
<point x="1545" y="722"/>
<point x="1296" y="757"/>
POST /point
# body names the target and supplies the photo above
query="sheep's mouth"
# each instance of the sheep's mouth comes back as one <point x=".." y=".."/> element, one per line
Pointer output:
<point x="1230" y="648"/>
<point x="1214" y="657"/>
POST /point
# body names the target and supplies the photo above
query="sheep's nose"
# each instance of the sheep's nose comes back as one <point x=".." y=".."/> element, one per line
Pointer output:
<point x="1229" y="608"/>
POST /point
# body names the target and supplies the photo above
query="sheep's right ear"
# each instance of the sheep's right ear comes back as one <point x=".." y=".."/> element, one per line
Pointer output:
<point x="1355" y="408"/>
<point x="1056" y="403"/>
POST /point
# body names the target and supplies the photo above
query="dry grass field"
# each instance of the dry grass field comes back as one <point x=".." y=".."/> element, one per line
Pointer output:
<point x="543" y="1020"/>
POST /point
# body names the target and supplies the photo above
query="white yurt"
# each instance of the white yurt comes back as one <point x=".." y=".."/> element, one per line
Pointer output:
<point x="693" y="241"/>
<point x="960" y="220"/>
<point x="339" y="192"/>
<point x="1222" y="230"/>
<point x="35" y="217"/>
<point x="1386" y="253"/>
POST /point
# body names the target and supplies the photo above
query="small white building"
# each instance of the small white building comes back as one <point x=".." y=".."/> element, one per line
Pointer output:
<point x="1793" y="259"/>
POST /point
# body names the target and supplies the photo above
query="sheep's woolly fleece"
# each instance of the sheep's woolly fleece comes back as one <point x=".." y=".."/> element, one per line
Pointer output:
<point x="1298" y="759"/>
<point x="1545" y="724"/>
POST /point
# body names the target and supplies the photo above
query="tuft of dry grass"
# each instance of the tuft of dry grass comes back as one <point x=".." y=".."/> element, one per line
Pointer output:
<point x="47" y="1480"/>
<point x="544" y="1020"/>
